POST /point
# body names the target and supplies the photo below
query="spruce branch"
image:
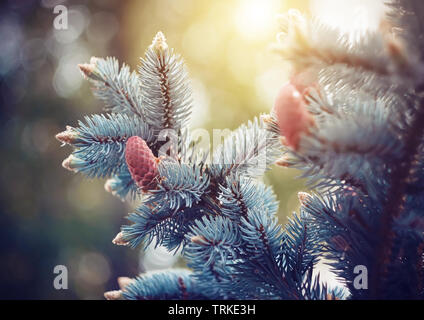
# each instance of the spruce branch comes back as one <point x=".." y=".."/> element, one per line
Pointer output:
<point x="215" y="239"/>
<point x="396" y="195"/>
<point x="344" y="226"/>
<point x="349" y="139"/>
<point x="118" y="88"/>
<point x="182" y="185"/>
<point x="249" y="150"/>
<point x="166" y="91"/>
<point x="122" y="185"/>
<point x="241" y="194"/>
<point x="310" y="43"/>
<point x="166" y="285"/>
<point x="99" y="143"/>
<point x="319" y="52"/>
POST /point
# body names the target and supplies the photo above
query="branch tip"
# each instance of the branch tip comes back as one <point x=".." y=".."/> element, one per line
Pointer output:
<point x="303" y="198"/>
<point x="69" y="163"/>
<point x="68" y="136"/>
<point x="124" y="282"/>
<point x="113" y="295"/>
<point x="159" y="43"/>
<point x="119" y="240"/>
<point x="200" y="240"/>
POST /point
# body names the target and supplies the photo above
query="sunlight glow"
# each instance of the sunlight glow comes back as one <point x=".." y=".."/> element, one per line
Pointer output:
<point x="254" y="18"/>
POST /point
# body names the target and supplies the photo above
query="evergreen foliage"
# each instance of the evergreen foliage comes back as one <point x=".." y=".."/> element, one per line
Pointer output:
<point x="362" y="154"/>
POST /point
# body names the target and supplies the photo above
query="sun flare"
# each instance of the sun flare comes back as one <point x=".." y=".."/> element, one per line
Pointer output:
<point x="254" y="18"/>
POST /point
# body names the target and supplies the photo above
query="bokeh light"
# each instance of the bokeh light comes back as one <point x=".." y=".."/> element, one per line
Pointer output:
<point x="254" y="18"/>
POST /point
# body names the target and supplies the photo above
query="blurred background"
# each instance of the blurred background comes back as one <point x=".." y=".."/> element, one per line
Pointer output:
<point x="49" y="216"/>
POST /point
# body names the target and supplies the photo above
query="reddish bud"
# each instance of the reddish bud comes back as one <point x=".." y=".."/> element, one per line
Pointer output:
<point x="109" y="185"/>
<point x="124" y="282"/>
<point x="69" y="136"/>
<point x="200" y="240"/>
<point x="119" y="240"/>
<point x="283" y="162"/>
<point x="72" y="163"/>
<point x="89" y="69"/>
<point x="303" y="198"/>
<point x="113" y="295"/>
<point x="86" y="69"/>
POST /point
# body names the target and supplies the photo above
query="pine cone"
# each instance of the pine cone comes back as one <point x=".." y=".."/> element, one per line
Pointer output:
<point x="292" y="116"/>
<point x="141" y="163"/>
